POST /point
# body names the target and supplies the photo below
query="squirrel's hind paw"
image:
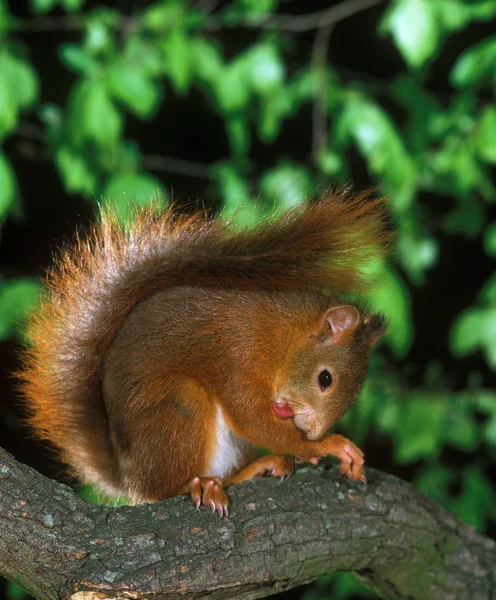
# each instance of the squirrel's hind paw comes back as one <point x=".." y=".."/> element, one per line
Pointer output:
<point x="207" y="491"/>
<point x="276" y="465"/>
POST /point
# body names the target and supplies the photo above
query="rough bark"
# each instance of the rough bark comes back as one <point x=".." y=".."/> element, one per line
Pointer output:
<point x="278" y="535"/>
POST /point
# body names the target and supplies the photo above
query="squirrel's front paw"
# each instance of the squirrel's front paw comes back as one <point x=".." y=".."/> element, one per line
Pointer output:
<point x="351" y="456"/>
<point x="208" y="491"/>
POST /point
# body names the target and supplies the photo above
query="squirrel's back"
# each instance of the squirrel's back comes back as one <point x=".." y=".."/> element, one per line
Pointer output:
<point x="98" y="280"/>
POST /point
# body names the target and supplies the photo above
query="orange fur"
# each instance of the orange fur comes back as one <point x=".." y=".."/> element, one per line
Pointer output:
<point x="146" y="329"/>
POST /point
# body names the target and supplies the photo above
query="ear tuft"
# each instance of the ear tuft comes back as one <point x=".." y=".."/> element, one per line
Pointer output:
<point x="340" y="320"/>
<point x="375" y="328"/>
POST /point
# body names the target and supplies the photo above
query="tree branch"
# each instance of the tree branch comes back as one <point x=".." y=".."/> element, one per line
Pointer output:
<point x="300" y="23"/>
<point x="279" y="535"/>
<point x="294" y="23"/>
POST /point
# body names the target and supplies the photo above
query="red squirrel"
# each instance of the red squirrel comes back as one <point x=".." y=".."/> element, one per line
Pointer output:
<point x="166" y="349"/>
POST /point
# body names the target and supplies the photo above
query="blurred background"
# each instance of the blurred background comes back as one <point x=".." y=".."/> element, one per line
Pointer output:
<point x="250" y="105"/>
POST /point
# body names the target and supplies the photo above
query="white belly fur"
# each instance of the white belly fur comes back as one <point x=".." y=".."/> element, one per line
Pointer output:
<point x="230" y="450"/>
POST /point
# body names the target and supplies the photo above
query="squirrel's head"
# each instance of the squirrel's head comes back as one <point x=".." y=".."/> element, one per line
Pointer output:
<point x="325" y="369"/>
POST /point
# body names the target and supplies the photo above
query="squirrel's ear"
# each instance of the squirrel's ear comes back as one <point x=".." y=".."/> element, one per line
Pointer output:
<point x="339" y="322"/>
<point x="375" y="328"/>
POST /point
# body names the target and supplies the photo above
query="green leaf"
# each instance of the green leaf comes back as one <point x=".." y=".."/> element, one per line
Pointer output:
<point x="77" y="174"/>
<point x="467" y="218"/>
<point x="136" y="91"/>
<point x="434" y="480"/>
<point x="391" y="298"/>
<point x="254" y="11"/>
<point x="467" y="331"/>
<point x="360" y="418"/>
<point x="475" y="65"/>
<point x="389" y="416"/>
<point x="238" y="207"/>
<point x="8" y="187"/>
<point x="331" y="163"/>
<point x="142" y="55"/>
<point x="381" y="145"/>
<point x="43" y="6"/>
<point x="488" y="292"/>
<point x="453" y="14"/>
<point x="72" y="6"/>
<point x="232" y="185"/>
<point x="245" y="215"/>
<point x="456" y="166"/>
<point x="265" y="70"/>
<point x="415" y="28"/>
<point x="490" y="240"/>
<point x="482" y="10"/>
<point x="418" y="252"/>
<point x="301" y="88"/>
<point x="23" y="80"/>
<point x="162" y="16"/>
<point x="457" y="14"/>
<point x="460" y="427"/>
<point x="5" y="18"/>
<point x="419" y="437"/>
<point x="232" y="89"/>
<point x="338" y="586"/>
<point x="17" y="296"/>
<point x="18" y="89"/>
<point x="128" y="190"/>
<point x="288" y="184"/>
<point x="273" y="109"/>
<point x="53" y="118"/>
<point x="466" y="168"/>
<point x="177" y="59"/>
<point x="490" y="431"/>
<point x="207" y="60"/>
<point x="77" y="59"/>
<point x="424" y="111"/>
<point x="238" y="133"/>
<point x="477" y="500"/>
<point x="15" y="592"/>
<point x="486" y="134"/>
<point x="8" y="108"/>
<point x="475" y="329"/>
<point x="92" y="115"/>
<point x="486" y="403"/>
<point x="99" y="26"/>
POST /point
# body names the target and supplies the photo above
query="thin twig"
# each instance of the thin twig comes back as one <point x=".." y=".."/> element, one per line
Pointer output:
<point x="319" y="72"/>
<point x="66" y="23"/>
<point x="178" y="166"/>
<point x="299" y="23"/>
<point x="295" y="23"/>
<point x="47" y="24"/>
<point x="154" y="162"/>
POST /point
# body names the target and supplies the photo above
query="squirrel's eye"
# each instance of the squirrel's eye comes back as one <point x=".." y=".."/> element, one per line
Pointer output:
<point x="325" y="379"/>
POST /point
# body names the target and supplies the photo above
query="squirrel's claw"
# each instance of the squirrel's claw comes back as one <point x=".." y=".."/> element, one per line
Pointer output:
<point x="352" y="461"/>
<point x="207" y="491"/>
<point x="351" y="456"/>
<point x="275" y="465"/>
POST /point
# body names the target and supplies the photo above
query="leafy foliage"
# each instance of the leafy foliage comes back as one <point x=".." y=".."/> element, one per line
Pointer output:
<point x="432" y="153"/>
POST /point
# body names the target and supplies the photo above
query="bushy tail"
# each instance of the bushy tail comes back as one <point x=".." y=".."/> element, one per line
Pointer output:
<point x="98" y="280"/>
